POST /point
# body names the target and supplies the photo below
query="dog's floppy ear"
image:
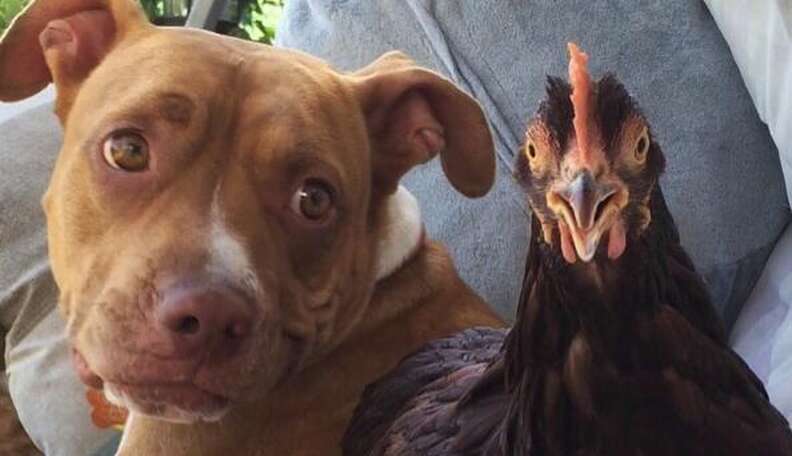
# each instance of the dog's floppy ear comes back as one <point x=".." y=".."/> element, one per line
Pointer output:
<point x="412" y="115"/>
<point x="61" y="41"/>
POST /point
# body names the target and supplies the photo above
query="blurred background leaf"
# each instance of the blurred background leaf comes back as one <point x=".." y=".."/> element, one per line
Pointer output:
<point x="260" y="19"/>
<point x="9" y="9"/>
<point x="255" y="20"/>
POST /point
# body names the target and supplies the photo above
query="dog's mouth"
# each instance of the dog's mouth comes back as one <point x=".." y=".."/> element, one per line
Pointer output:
<point x="176" y="401"/>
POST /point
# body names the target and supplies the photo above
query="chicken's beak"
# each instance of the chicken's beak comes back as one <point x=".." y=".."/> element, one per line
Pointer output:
<point x="588" y="208"/>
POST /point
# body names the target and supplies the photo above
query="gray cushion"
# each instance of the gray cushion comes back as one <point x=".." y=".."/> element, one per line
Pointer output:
<point x="724" y="181"/>
<point x="42" y="383"/>
<point x="760" y="41"/>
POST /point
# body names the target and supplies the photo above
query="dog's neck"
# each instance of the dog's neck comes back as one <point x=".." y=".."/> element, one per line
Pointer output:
<point x="401" y="234"/>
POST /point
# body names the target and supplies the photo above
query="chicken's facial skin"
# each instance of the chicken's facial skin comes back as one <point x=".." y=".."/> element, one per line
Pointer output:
<point x="590" y="206"/>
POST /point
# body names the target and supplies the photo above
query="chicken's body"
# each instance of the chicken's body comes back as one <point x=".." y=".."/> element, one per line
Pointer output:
<point x="621" y="353"/>
<point x="645" y="370"/>
<point x="411" y="410"/>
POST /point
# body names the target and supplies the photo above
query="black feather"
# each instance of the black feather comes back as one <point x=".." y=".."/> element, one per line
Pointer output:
<point x="613" y="107"/>
<point x="384" y="402"/>
<point x="556" y="110"/>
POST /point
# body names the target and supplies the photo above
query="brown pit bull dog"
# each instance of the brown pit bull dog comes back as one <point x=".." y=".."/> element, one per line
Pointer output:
<point x="235" y="257"/>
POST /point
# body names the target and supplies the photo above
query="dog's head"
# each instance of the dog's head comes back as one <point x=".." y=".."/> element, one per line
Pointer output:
<point x="221" y="211"/>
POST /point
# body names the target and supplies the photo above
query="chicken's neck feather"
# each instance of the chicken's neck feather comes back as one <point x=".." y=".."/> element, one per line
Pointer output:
<point x="603" y="298"/>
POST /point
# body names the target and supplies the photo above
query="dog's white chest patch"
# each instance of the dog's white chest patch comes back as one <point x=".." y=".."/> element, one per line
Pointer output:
<point x="402" y="233"/>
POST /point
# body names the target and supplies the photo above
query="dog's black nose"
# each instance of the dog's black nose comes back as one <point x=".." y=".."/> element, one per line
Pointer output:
<point x="200" y="319"/>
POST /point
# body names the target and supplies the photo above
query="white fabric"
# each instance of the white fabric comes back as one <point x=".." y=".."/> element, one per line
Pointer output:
<point x="49" y="397"/>
<point x="763" y="333"/>
<point x="759" y="34"/>
<point x="402" y="233"/>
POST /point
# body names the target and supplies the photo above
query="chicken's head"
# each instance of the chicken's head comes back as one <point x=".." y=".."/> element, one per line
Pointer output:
<point x="589" y="165"/>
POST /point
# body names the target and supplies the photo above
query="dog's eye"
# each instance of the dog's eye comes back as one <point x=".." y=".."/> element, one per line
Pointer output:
<point x="127" y="151"/>
<point x="313" y="200"/>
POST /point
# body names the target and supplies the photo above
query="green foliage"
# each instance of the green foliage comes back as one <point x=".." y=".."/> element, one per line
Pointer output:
<point x="257" y="20"/>
<point x="153" y="8"/>
<point x="9" y="9"/>
<point x="260" y="19"/>
<point x="159" y="8"/>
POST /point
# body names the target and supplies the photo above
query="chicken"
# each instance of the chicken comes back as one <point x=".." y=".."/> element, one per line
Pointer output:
<point x="616" y="349"/>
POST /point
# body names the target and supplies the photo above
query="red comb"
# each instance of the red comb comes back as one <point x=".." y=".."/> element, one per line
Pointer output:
<point x="581" y="97"/>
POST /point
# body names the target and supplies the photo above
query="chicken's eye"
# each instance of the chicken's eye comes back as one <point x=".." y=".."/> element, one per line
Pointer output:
<point x="530" y="150"/>
<point x="642" y="148"/>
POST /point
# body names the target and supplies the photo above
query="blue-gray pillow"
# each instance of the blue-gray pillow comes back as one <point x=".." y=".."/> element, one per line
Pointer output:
<point x="723" y="183"/>
<point x="49" y="398"/>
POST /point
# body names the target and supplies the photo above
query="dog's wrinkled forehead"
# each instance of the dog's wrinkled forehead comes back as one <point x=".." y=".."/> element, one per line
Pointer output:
<point x="203" y="67"/>
<point x="177" y="82"/>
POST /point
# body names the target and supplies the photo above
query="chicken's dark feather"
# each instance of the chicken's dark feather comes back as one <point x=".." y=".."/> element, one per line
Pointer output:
<point x="660" y="365"/>
<point x="614" y="104"/>
<point x="556" y="110"/>
<point x="385" y="400"/>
